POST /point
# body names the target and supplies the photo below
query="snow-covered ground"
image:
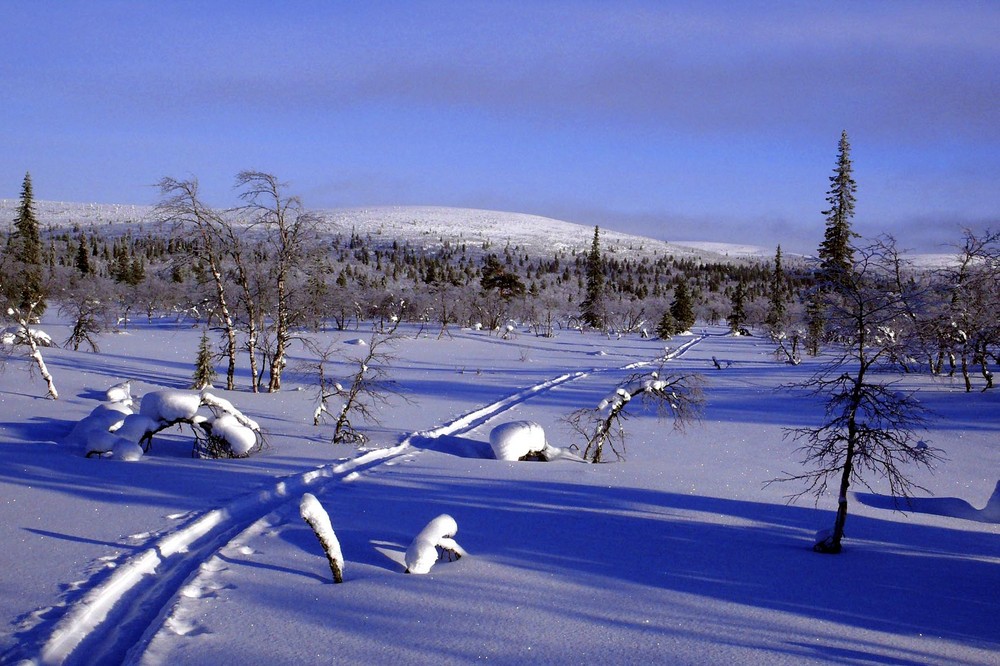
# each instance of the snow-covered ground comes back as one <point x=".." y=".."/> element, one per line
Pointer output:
<point x="675" y="555"/>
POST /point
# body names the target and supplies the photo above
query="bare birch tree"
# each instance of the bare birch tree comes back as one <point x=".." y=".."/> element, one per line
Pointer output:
<point x="287" y="230"/>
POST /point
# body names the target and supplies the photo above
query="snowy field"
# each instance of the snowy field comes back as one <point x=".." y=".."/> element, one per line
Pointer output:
<point x="676" y="555"/>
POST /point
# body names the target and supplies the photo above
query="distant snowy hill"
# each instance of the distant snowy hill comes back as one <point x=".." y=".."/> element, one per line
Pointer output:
<point x="426" y="227"/>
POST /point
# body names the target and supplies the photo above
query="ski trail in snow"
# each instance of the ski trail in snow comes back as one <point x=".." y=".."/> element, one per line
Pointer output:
<point x="110" y="618"/>
<point x="119" y="617"/>
<point x="477" y="417"/>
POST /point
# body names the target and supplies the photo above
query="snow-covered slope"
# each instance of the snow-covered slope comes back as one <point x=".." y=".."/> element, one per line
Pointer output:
<point x="427" y="227"/>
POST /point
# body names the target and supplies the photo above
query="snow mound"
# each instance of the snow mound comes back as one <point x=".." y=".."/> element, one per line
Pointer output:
<point x="952" y="507"/>
<point x="240" y="438"/>
<point x="423" y="551"/>
<point x="517" y="440"/>
<point x="119" y="393"/>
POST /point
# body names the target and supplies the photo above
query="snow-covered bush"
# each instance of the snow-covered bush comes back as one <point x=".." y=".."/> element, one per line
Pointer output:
<point x="319" y="520"/>
<point x="114" y="430"/>
<point x="423" y="551"/>
<point x="518" y="440"/>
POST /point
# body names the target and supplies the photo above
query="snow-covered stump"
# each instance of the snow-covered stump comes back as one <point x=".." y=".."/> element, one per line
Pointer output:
<point x="423" y="551"/>
<point x="319" y="520"/>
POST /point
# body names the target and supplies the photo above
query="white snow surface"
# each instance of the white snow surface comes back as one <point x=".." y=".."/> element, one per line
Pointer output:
<point x="676" y="555"/>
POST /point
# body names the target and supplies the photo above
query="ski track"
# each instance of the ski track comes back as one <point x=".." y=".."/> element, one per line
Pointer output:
<point x="116" y="619"/>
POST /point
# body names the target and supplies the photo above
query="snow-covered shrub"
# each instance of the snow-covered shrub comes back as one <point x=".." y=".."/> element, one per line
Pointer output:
<point x="423" y="551"/>
<point x="119" y="393"/>
<point x="518" y="440"/>
<point x="319" y="520"/>
<point x="112" y="429"/>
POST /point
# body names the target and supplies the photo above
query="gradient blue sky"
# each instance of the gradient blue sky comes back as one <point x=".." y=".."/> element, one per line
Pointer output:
<point x="678" y="120"/>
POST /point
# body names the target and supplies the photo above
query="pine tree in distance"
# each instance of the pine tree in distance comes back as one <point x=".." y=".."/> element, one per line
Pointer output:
<point x="777" y="298"/>
<point x="591" y="310"/>
<point x="835" y="252"/>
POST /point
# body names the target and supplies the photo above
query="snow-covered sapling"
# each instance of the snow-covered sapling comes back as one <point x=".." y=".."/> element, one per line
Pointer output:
<point x="319" y="520"/>
<point x="365" y="391"/>
<point x="423" y="551"/>
<point x="34" y="339"/>
<point x="678" y="396"/>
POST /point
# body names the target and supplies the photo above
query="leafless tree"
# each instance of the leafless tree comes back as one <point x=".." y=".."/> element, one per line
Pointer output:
<point x="677" y="396"/>
<point x="288" y="231"/>
<point x="88" y="307"/>
<point x="181" y="206"/>
<point x="362" y="394"/>
<point x="869" y="427"/>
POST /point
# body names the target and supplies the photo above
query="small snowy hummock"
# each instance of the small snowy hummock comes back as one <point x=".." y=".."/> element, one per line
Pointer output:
<point x="423" y="551"/>
<point x="517" y="440"/>
<point x="319" y="520"/>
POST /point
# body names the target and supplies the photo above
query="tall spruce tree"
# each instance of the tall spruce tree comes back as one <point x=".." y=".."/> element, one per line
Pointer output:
<point x="777" y="298"/>
<point x="835" y="252"/>
<point x="681" y="309"/>
<point x="738" y="313"/>
<point x="24" y="286"/>
<point x="593" y="305"/>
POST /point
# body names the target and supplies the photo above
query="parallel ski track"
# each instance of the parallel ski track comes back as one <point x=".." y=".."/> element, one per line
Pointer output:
<point x="125" y="610"/>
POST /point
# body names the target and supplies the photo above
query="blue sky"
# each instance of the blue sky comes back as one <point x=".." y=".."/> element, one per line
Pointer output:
<point x="678" y="120"/>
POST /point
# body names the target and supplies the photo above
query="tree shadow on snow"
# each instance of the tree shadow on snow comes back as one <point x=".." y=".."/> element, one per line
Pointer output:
<point x="894" y="577"/>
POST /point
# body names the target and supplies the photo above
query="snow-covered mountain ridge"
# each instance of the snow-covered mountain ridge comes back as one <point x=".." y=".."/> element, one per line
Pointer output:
<point x="426" y="227"/>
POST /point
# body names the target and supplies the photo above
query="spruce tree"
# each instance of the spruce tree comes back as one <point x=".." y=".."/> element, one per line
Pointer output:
<point x="83" y="257"/>
<point x="204" y="370"/>
<point x="738" y="314"/>
<point x="591" y="311"/>
<point x="777" y="301"/>
<point x="25" y="285"/>
<point x="666" y="327"/>
<point x="681" y="309"/>
<point x="835" y="252"/>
